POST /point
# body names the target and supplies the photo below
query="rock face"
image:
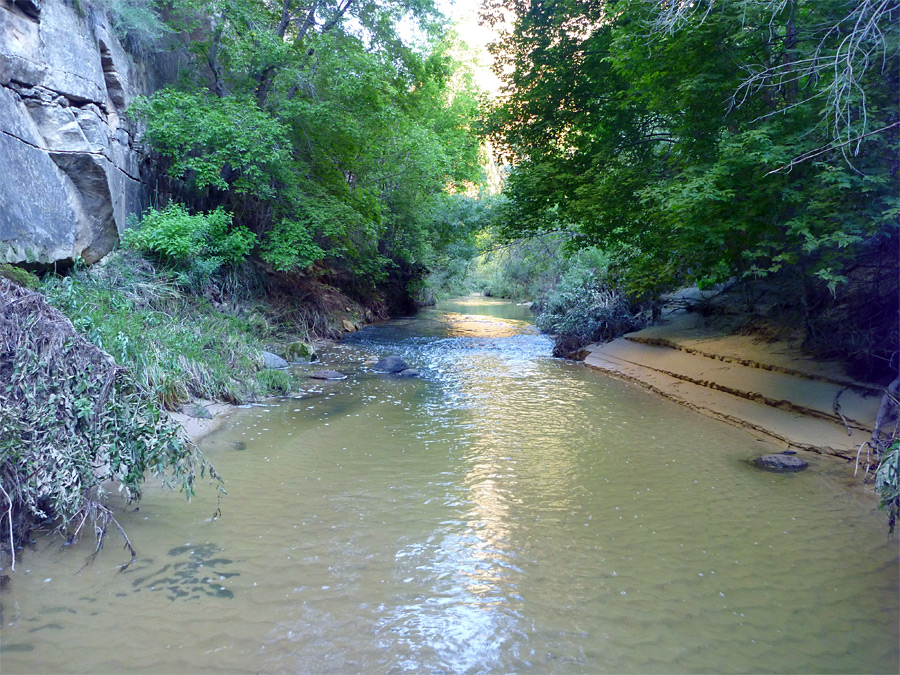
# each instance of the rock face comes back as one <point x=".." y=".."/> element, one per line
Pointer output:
<point x="390" y="364"/>
<point x="69" y="174"/>
<point x="780" y="463"/>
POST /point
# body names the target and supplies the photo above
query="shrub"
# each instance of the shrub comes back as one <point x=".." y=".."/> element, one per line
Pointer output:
<point x="202" y="243"/>
<point x="290" y="244"/>
<point x="71" y="419"/>
<point x="175" y="344"/>
<point x="586" y="306"/>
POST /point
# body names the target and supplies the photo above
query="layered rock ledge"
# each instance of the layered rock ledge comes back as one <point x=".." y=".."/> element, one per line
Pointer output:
<point x="767" y="388"/>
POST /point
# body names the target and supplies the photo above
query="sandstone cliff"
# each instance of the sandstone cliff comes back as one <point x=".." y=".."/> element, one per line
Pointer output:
<point x="69" y="171"/>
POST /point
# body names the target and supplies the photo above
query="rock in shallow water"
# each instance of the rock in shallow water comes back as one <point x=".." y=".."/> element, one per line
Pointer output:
<point x="300" y="350"/>
<point x="409" y="372"/>
<point x="780" y="463"/>
<point x="197" y="411"/>
<point x="327" y="375"/>
<point x="274" y="361"/>
<point x="391" y="364"/>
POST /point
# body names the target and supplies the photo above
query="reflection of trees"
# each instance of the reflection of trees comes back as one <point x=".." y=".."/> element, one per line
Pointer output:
<point x="467" y="325"/>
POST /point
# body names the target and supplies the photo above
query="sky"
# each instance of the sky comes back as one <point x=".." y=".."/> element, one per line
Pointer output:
<point x="464" y="14"/>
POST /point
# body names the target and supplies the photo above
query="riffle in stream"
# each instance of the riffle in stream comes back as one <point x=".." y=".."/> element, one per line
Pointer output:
<point x="505" y="512"/>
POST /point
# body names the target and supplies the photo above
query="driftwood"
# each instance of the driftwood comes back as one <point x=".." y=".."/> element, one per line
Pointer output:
<point x="837" y="410"/>
<point x="881" y="439"/>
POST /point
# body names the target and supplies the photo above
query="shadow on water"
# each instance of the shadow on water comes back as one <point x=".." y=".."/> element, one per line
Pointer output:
<point x="198" y="572"/>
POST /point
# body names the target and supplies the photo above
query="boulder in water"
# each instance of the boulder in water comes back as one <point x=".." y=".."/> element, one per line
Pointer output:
<point x="300" y="350"/>
<point x="409" y="372"/>
<point x="197" y="411"/>
<point x="785" y="462"/>
<point x="274" y="361"/>
<point x="327" y="375"/>
<point x="391" y="364"/>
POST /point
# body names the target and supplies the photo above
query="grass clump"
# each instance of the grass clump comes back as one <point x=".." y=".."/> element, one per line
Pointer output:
<point x="19" y="276"/>
<point x="177" y="345"/>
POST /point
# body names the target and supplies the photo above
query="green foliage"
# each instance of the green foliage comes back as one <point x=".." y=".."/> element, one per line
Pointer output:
<point x="628" y="142"/>
<point x="175" y="344"/>
<point x="217" y="143"/>
<point x="332" y="141"/>
<point x="202" y="242"/>
<point x="290" y="245"/>
<point x="136" y="20"/>
<point x="887" y="484"/>
<point x="585" y="306"/>
<point x="524" y="269"/>
<point x="459" y="226"/>
<point x="19" y="276"/>
<point x="655" y="147"/>
<point x="72" y="419"/>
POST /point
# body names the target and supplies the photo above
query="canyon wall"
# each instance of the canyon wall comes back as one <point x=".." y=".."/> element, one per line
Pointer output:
<point x="70" y="173"/>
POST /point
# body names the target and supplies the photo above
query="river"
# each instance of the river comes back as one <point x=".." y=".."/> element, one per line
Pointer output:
<point x="505" y="512"/>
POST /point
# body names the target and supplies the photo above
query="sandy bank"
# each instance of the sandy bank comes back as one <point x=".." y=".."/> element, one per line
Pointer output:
<point x="197" y="427"/>
<point x="767" y="387"/>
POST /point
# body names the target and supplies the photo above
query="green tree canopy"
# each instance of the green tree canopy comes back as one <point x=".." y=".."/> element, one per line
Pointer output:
<point x="319" y="129"/>
<point x="701" y="146"/>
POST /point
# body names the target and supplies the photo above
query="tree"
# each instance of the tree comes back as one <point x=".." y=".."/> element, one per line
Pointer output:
<point x="657" y="145"/>
<point x="319" y="129"/>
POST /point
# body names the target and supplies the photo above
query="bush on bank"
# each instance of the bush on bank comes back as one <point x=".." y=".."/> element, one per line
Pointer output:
<point x="586" y="306"/>
<point x="72" y="420"/>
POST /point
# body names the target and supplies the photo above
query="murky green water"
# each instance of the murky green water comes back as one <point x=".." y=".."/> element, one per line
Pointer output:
<point x="506" y="512"/>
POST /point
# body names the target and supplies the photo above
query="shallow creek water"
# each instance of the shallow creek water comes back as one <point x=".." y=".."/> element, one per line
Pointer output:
<point x="505" y="512"/>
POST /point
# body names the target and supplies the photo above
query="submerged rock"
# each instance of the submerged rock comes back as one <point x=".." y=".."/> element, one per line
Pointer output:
<point x="391" y="364"/>
<point x="785" y="462"/>
<point x="274" y="361"/>
<point x="327" y="375"/>
<point x="410" y="372"/>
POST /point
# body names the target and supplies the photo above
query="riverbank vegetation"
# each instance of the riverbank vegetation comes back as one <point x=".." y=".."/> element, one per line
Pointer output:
<point x="715" y="141"/>
<point x="170" y="334"/>
<point x="319" y="132"/>
<point x="750" y="143"/>
<point x="306" y="157"/>
<point x="73" y="421"/>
